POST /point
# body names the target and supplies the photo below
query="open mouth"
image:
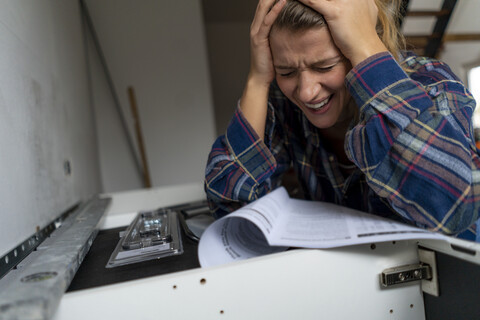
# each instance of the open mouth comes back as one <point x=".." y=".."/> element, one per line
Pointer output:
<point x="320" y="105"/>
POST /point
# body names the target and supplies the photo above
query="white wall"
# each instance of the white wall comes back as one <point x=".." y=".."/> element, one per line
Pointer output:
<point x="46" y="118"/>
<point x="159" y="48"/>
<point x="119" y="165"/>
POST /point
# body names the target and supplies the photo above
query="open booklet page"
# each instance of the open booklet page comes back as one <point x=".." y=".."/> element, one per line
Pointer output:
<point x="276" y="222"/>
<point x="241" y="234"/>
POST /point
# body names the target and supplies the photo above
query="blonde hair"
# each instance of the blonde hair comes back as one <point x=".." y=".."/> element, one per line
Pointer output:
<point x="295" y="16"/>
<point x="388" y="27"/>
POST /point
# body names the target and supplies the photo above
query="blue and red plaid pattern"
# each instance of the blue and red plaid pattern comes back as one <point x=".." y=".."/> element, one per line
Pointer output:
<point x="412" y="144"/>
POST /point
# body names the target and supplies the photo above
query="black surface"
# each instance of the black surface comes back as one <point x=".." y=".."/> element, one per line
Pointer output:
<point x="92" y="272"/>
<point x="459" y="298"/>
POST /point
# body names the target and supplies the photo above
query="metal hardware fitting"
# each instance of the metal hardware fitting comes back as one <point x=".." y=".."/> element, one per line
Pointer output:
<point x="404" y="274"/>
<point x="424" y="271"/>
<point x="34" y="290"/>
<point x="19" y="253"/>
<point x="429" y="286"/>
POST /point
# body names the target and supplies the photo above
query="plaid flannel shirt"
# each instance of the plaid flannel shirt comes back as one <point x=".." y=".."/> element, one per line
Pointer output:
<point x="412" y="144"/>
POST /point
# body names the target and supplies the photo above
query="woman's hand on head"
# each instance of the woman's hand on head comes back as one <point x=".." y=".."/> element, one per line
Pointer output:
<point x="261" y="63"/>
<point x="352" y="24"/>
<point x="254" y="101"/>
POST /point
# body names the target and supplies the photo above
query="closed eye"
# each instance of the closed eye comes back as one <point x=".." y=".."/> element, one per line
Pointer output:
<point x="287" y="74"/>
<point x="323" y="69"/>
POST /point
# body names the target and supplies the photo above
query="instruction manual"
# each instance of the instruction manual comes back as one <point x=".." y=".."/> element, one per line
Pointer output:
<point x="277" y="222"/>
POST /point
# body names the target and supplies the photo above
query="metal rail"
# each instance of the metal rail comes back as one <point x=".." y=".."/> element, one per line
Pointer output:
<point x="34" y="290"/>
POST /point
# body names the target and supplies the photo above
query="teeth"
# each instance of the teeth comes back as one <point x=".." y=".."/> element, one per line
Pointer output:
<point x="318" y="105"/>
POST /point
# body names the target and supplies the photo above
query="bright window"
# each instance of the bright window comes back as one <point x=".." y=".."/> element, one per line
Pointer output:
<point x="474" y="86"/>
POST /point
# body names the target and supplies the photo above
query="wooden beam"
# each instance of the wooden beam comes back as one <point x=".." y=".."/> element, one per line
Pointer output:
<point x="461" y="37"/>
<point x="420" y="41"/>
<point x="422" y="37"/>
<point x="138" y="130"/>
<point x="428" y="13"/>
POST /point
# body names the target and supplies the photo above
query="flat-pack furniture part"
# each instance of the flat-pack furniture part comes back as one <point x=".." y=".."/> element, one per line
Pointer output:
<point x="336" y="283"/>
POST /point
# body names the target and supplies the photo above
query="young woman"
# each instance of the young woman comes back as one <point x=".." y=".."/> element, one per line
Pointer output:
<point x="362" y="123"/>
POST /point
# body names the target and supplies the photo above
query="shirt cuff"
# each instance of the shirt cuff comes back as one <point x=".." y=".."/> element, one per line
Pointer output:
<point x="373" y="75"/>
<point x="249" y="150"/>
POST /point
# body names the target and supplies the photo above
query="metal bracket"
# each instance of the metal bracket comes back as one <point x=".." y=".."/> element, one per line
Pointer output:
<point x="34" y="290"/>
<point x="429" y="286"/>
<point x="19" y="253"/>
<point x="404" y="274"/>
<point x="424" y="271"/>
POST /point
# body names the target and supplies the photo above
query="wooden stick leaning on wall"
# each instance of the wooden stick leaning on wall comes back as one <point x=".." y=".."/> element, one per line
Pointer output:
<point x="91" y="31"/>
<point x="139" y="135"/>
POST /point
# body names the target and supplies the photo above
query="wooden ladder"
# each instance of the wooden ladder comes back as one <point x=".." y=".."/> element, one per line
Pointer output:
<point x="430" y="44"/>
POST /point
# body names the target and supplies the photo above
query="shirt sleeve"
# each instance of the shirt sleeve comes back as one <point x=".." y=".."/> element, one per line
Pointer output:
<point x="414" y="141"/>
<point x="242" y="167"/>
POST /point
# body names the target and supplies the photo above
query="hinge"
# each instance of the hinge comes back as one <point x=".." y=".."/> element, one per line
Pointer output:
<point x="404" y="274"/>
<point x="424" y="271"/>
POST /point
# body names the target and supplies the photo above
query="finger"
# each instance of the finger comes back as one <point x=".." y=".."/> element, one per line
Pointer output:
<point x="274" y="12"/>
<point x="262" y="10"/>
<point x="321" y="6"/>
<point x="270" y="18"/>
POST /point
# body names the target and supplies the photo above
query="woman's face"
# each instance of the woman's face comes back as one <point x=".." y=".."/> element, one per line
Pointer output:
<point x="310" y="71"/>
